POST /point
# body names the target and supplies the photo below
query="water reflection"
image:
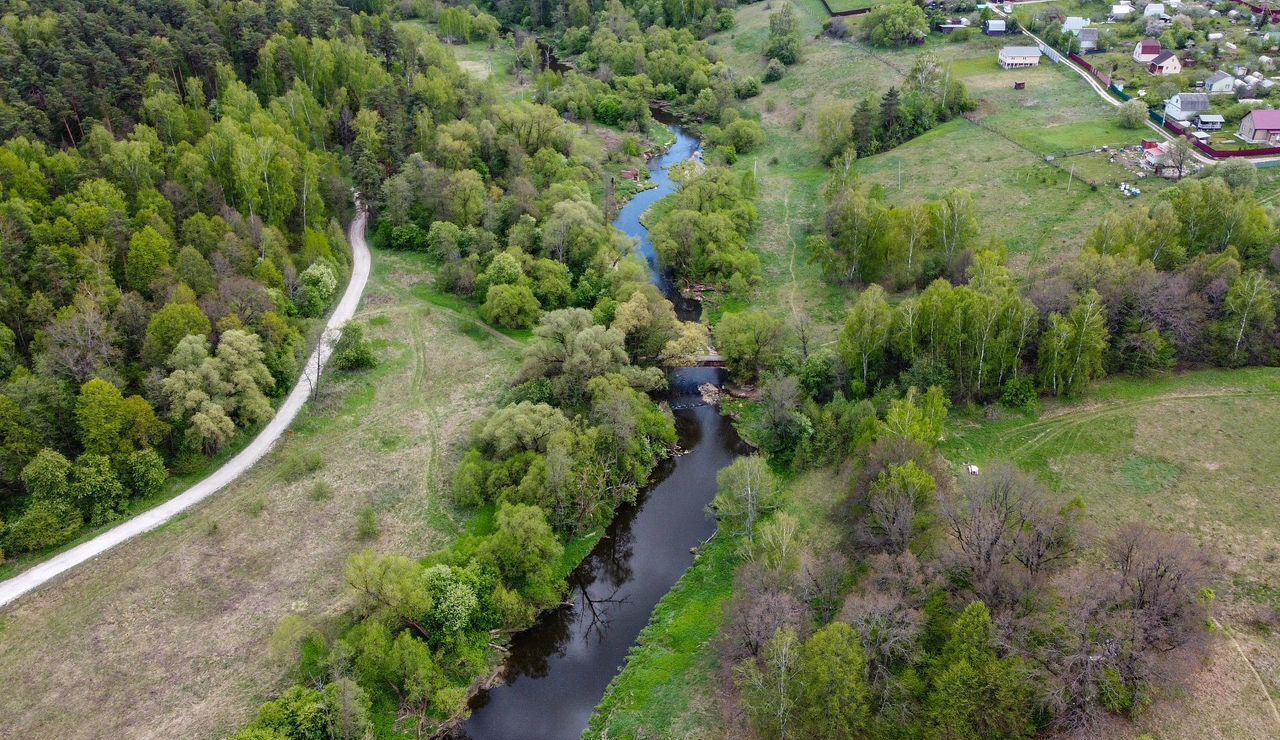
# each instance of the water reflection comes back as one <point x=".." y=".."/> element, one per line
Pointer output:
<point x="558" y="669"/>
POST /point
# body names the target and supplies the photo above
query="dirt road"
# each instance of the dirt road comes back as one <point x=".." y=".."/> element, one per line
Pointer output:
<point x="41" y="574"/>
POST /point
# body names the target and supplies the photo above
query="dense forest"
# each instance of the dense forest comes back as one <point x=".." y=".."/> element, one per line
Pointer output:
<point x="171" y="233"/>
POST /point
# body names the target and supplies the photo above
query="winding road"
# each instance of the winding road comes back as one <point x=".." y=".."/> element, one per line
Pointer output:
<point x="41" y="574"/>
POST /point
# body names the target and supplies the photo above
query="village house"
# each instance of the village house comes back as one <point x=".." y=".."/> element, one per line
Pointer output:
<point x="1074" y="25"/>
<point x="1219" y="83"/>
<point x="1121" y="12"/>
<point x="1210" y="122"/>
<point x="952" y="24"/>
<point x="1260" y="126"/>
<point x="1160" y="156"/>
<point x="1165" y="64"/>
<point x="1018" y="57"/>
<point x="1146" y="50"/>
<point x="1185" y="106"/>
<point x="1153" y="9"/>
<point x="1088" y="39"/>
<point x="995" y="27"/>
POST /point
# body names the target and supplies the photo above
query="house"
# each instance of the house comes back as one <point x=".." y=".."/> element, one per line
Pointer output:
<point x="1216" y="36"/>
<point x="1088" y="39"/>
<point x="1153" y="9"/>
<point x="1185" y="106"/>
<point x="1121" y="12"/>
<point x="995" y="27"/>
<point x="1074" y="24"/>
<point x="1260" y="126"/>
<point x="1220" y="82"/>
<point x="1146" y="50"/>
<point x="1017" y="57"/>
<point x="1210" y="122"/>
<point x="952" y="24"/>
<point x="1167" y="63"/>
<point x="1161" y="157"/>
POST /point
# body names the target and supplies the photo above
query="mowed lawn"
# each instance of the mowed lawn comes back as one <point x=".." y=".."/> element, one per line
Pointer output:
<point x="168" y="635"/>
<point x="1193" y="453"/>
<point x="1003" y="164"/>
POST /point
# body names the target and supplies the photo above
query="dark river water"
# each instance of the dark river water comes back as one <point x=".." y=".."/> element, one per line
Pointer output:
<point x="557" y="670"/>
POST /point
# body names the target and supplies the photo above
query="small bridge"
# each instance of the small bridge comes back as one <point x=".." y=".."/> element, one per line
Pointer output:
<point x="709" y="360"/>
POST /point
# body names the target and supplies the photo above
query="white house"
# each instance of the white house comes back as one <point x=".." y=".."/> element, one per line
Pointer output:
<point x="1121" y="12"/>
<point x="1018" y="57"/>
<point x="1167" y="63"/>
<point x="1220" y="83"/>
<point x="1088" y="39"/>
<point x="1146" y="50"/>
<point x="1185" y="106"/>
<point x="1210" y="122"/>
<point x="1153" y="9"/>
<point x="1215" y="36"/>
<point x="1074" y="24"/>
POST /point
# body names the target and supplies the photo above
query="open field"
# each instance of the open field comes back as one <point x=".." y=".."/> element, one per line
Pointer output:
<point x="842" y="6"/>
<point x="1191" y="453"/>
<point x="167" y="635"/>
<point x="1002" y="163"/>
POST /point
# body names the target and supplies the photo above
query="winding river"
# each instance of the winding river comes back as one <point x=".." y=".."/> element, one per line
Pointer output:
<point x="557" y="670"/>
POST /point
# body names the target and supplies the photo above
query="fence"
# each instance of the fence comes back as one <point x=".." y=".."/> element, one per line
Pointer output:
<point x="844" y="13"/>
<point x="1160" y="121"/>
<point x="1259" y="10"/>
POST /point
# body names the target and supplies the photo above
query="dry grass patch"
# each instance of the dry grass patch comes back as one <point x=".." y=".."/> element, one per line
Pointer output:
<point x="166" y="636"/>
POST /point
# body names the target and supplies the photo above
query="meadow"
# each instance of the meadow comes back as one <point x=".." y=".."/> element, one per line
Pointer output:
<point x="1192" y="453"/>
<point x="167" y="635"/>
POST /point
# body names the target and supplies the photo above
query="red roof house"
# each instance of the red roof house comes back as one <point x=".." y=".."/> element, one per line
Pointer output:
<point x="1146" y="50"/>
<point x="1260" y="126"/>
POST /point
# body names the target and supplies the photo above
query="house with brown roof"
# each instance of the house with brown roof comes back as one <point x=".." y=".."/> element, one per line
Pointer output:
<point x="1260" y="126"/>
<point x="1146" y="50"/>
<point x="1166" y="63"/>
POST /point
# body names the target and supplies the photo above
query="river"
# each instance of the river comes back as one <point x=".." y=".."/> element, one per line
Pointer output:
<point x="557" y="670"/>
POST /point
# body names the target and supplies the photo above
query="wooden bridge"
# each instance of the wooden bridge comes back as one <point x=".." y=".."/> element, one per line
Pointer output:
<point x="713" y="359"/>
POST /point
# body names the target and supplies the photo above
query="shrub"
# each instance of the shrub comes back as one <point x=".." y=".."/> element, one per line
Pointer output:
<point x="352" y="351"/>
<point x="143" y="473"/>
<point x="1133" y="114"/>
<point x="43" y="525"/>
<point x="367" y="523"/>
<point x="511" y="306"/>
<point x="747" y="87"/>
<point x="773" y="70"/>
<point x="300" y="464"/>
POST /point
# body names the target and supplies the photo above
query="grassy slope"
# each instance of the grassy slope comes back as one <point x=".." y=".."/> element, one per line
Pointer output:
<point x="167" y="635"/>
<point x="1057" y="113"/>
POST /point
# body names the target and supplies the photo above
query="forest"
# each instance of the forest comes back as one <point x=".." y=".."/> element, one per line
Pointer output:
<point x="176" y="177"/>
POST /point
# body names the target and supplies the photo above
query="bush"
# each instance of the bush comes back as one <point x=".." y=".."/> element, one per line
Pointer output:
<point x="747" y="87"/>
<point x="367" y="523"/>
<point x="300" y="464"/>
<point x="1133" y="114"/>
<point x="511" y="306"/>
<point x="773" y="70"/>
<point x="143" y="473"/>
<point x="43" y="525"/>
<point x="352" y="351"/>
<point x="744" y="135"/>
<point x="1019" y="394"/>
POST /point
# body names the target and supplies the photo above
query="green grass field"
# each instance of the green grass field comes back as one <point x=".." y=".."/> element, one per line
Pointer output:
<point x="843" y="6"/>
<point x="1002" y="164"/>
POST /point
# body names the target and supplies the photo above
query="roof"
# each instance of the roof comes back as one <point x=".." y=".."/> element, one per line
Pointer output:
<point x="1149" y="46"/>
<point x="1219" y="76"/>
<point x="1192" y="102"/>
<point x="1163" y="57"/>
<point x="1088" y="34"/>
<point x="1265" y="119"/>
<point x="995" y="25"/>
<point x="1211" y="118"/>
<point x="1074" y="24"/>
<point x="1121" y="9"/>
<point x="1154" y="9"/>
<point x="1020" y="51"/>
